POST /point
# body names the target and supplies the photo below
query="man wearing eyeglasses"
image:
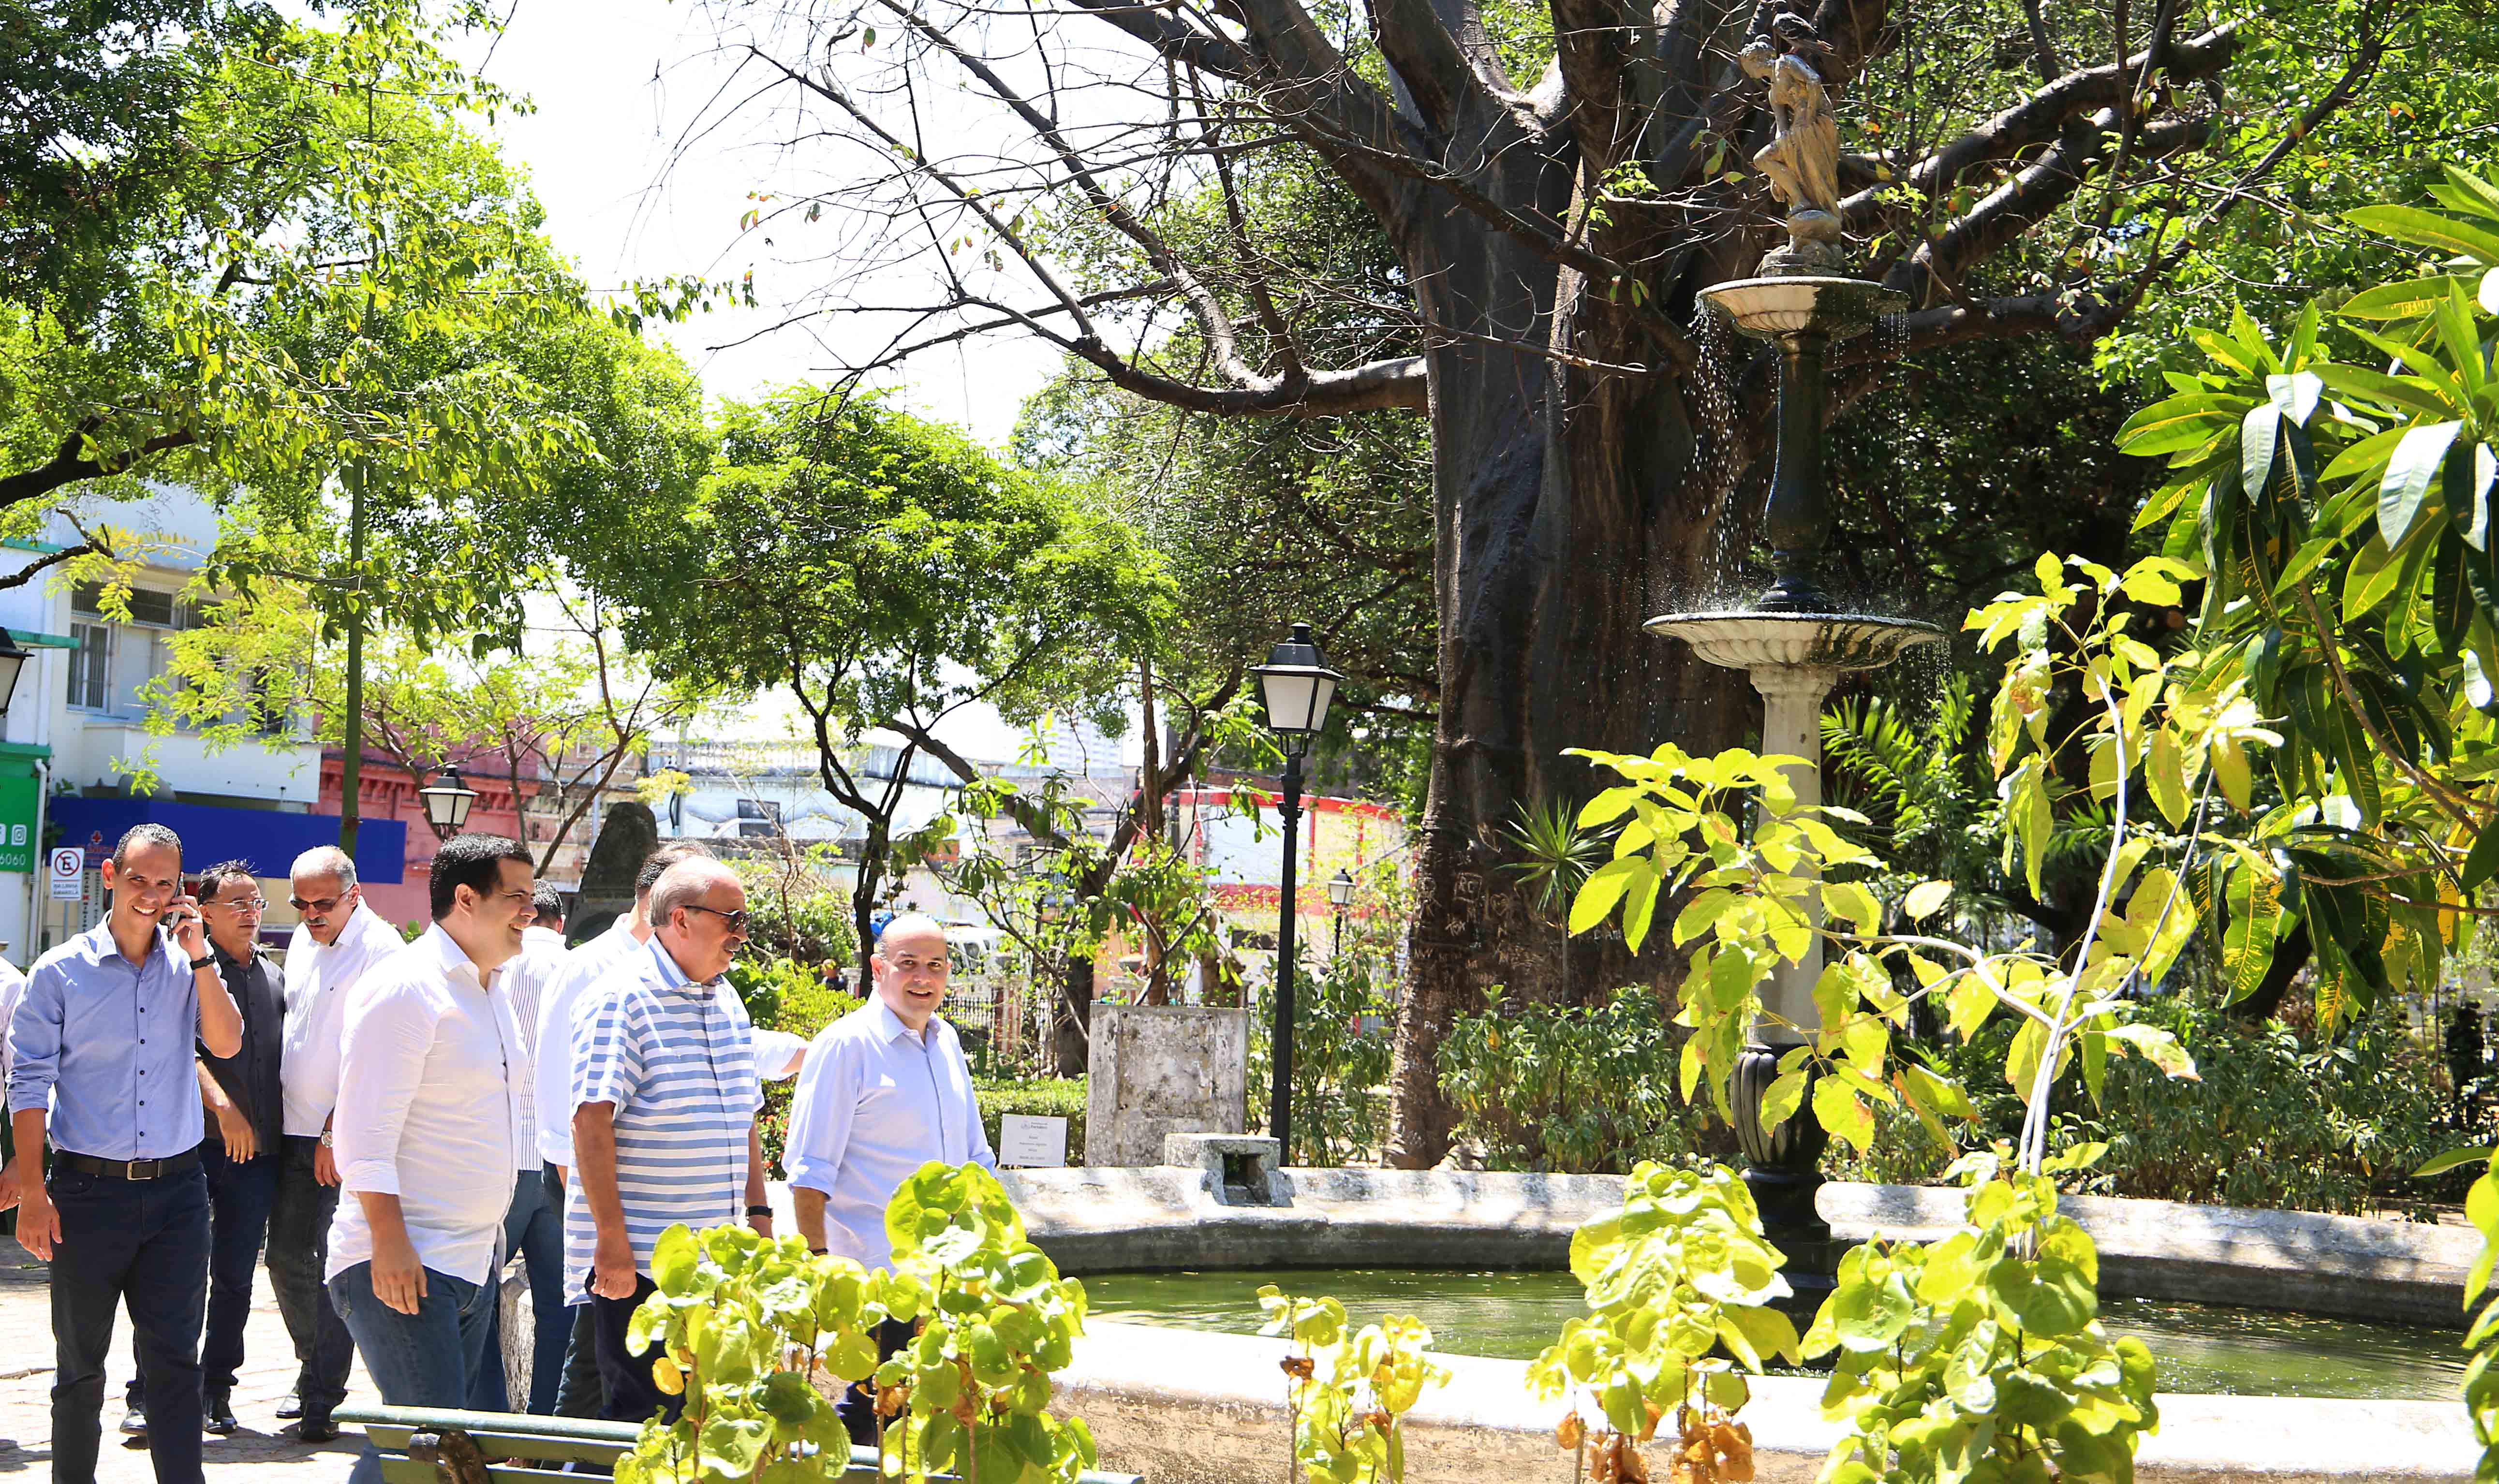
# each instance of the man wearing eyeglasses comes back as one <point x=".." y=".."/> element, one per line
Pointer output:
<point x="665" y="1095"/>
<point x="240" y="1153"/>
<point x="885" y="1089"/>
<point x="336" y="939"/>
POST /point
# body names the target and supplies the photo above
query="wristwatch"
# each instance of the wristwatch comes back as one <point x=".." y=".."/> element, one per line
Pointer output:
<point x="203" y="961"/>
<point x="325" y="1138"/>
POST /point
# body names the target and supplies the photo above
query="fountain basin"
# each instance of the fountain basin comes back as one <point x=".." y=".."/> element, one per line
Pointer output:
<point x="1834" y="308"/>
<point x="1752" y="640"/>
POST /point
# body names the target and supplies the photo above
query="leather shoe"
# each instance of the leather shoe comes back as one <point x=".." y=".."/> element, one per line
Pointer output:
<point x="217" y="1415"/>
<point x="289" y="1408"/>
<point x="315" y="1430"/>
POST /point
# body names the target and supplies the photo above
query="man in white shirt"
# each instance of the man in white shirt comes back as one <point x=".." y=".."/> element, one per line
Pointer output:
<point x="884" y="1090"/>
<point x="336" y="941"/>
<point x="534" y="1225"/>
<point x="427" y="1122"/>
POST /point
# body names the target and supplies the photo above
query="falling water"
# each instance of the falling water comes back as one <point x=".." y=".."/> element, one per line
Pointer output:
<point x="1721" y="358"/>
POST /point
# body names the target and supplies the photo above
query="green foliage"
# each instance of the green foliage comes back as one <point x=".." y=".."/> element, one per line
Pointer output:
<point x="796" y="914"/>
<point x="1348" y="1391"/>
<point x="2282" y="1117"/>
<point x="785" y="994"/>
<point x="2340" y="511"/>
<point x="2481" y="1377"/>
<point x="884" y="573"/>
<point x="1981" y="1355"/>
<point x="748" y="1323"/>
<point x="970" y="1394"/>
<point x="1049" y="1097"/>
<point x="1677" y="1284"/>
<point x="1342" y="1015"/>
<point x="1578" y="1089"/>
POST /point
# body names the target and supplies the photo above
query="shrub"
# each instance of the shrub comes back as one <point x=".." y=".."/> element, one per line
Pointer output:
<point x="746" y="1321"/>
<point x="797" y="915"/>
<point x="1571" y="1089"/>
<point x="785" y="996"/>
<point x="2278" y="1120"/>
<point x="1341" y="1050"/>
<point x="1052" y="1097"/>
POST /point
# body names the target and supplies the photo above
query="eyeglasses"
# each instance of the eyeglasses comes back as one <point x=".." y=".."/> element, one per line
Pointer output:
<point x="736" y="920"/>
<point x="249" y="906"/>
<point x="323" y="905"/>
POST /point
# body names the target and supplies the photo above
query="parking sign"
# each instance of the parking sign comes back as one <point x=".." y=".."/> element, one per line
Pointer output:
<point x="68" y="874"/>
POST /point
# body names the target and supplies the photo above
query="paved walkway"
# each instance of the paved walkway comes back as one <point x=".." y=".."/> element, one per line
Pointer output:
<point x="259" y="1452"/>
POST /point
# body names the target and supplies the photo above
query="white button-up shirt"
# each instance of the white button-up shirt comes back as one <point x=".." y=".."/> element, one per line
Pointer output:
<point x="427" y="1108"/>
<point x="525" y="981"/>
<point x="318" y="979"/>
<point x="560" y="1004"/>
<point x="874" y="1104"/>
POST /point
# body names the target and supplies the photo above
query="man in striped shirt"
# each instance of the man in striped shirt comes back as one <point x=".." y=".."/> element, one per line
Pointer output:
<point x="664" y="1096"/>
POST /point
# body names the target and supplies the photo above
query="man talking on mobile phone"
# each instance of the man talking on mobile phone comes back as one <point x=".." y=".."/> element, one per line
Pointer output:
<point x="105" y="1038"/>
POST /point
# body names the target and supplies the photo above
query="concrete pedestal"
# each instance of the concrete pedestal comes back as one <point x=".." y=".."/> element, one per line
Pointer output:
<point x="1159" y="1070"/>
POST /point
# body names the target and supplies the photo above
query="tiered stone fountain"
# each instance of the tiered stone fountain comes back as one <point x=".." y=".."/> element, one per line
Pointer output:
<point x="1793" y="640"/>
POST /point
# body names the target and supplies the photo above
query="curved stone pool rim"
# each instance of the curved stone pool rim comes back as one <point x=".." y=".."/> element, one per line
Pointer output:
<point x="1171" y="1217"/>
<point x="1190" y="1408"/>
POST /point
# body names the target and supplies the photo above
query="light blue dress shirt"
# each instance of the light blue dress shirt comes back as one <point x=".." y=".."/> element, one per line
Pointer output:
<point x="874" y="1104"/>
<point x="108" y="1045"/>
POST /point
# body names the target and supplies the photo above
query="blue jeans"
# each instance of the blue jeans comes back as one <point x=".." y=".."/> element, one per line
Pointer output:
<point x="534" y="1228"/>
<point x="144" y="1244"/>
<point x="423" y="1359"/>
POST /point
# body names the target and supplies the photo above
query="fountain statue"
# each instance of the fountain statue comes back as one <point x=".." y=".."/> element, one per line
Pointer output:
<point x="1792" y="640"/>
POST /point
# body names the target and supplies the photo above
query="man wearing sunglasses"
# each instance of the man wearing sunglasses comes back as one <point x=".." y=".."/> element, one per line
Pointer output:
<point x="665" y="1095"/>
<point x="335" y="940"/>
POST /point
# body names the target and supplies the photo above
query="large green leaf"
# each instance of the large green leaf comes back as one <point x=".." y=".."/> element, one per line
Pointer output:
<point x="2259" y="439"/>
<point x="2183" y="422"/>
<point x="2413" y="224"/>
<point x="2410" y="298"/>
<point x="2362" y="383"/>
<point x="2410" y="470"/>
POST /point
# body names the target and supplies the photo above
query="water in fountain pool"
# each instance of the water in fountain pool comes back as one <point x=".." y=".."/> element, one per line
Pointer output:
<point x="2202" y="1348"/>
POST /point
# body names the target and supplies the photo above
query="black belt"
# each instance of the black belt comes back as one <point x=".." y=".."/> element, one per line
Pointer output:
<point x="131" y="1168"/>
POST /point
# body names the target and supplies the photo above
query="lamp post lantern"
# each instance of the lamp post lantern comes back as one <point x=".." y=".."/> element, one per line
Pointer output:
<point x="1295" y="684"/>
<point x="446" y="802"/>
<point x="1340" y="896"/>
<point x="13" y="659"/>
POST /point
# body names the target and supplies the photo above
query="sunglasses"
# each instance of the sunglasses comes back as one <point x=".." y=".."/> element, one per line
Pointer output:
<point x="736" y="920"/>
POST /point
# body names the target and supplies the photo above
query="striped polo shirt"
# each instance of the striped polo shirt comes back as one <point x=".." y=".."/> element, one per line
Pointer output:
<point x="677" y="1060"/>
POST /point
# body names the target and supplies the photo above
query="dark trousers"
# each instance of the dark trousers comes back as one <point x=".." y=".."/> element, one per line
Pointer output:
<point x="240" y="1195"/>
<point x="423" y="1359"/>
<point x="858" y="1406"/>
<point x="298" y="1249"/>
<point x="632" y="1395"/>
<point x="145" y="1243"/>
<point x="534" y="1228"/>
<point x="579" y="1394"/>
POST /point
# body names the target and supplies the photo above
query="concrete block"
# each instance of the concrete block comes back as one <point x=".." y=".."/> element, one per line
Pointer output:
<point x="1235" y="1169"/>
<point x="1159" y="1070"/>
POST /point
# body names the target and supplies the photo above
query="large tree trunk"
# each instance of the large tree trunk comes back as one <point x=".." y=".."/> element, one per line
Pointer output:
<point x="1571" y="506"/>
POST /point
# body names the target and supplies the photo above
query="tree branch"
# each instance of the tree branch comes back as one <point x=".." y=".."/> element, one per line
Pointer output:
<point x="2042" y="117"/>
<point x="70" y="463"/>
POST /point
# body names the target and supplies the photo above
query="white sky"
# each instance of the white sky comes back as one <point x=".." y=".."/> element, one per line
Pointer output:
<point x="616" y="83"/>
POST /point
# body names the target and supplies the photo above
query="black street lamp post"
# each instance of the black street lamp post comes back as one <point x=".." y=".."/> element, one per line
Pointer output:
<point x="1295" y="684"/>
<point x="446" y="802"/>
<point x="13" y="659"/>
<point x="1340" y="896"/>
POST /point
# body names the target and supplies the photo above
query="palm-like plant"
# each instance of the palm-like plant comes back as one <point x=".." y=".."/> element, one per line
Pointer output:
<point x="1555" y="854"/>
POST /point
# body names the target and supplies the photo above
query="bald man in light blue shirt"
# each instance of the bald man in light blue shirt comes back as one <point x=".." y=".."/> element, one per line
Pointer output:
<point x="885" y="1089"/>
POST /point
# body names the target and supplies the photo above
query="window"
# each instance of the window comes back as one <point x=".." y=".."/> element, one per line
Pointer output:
<point x="149" y="606"/>
<point x="89" y="664"/>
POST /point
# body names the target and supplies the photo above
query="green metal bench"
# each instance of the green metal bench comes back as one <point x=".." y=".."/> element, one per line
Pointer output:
<point x="422" y="1445"/>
